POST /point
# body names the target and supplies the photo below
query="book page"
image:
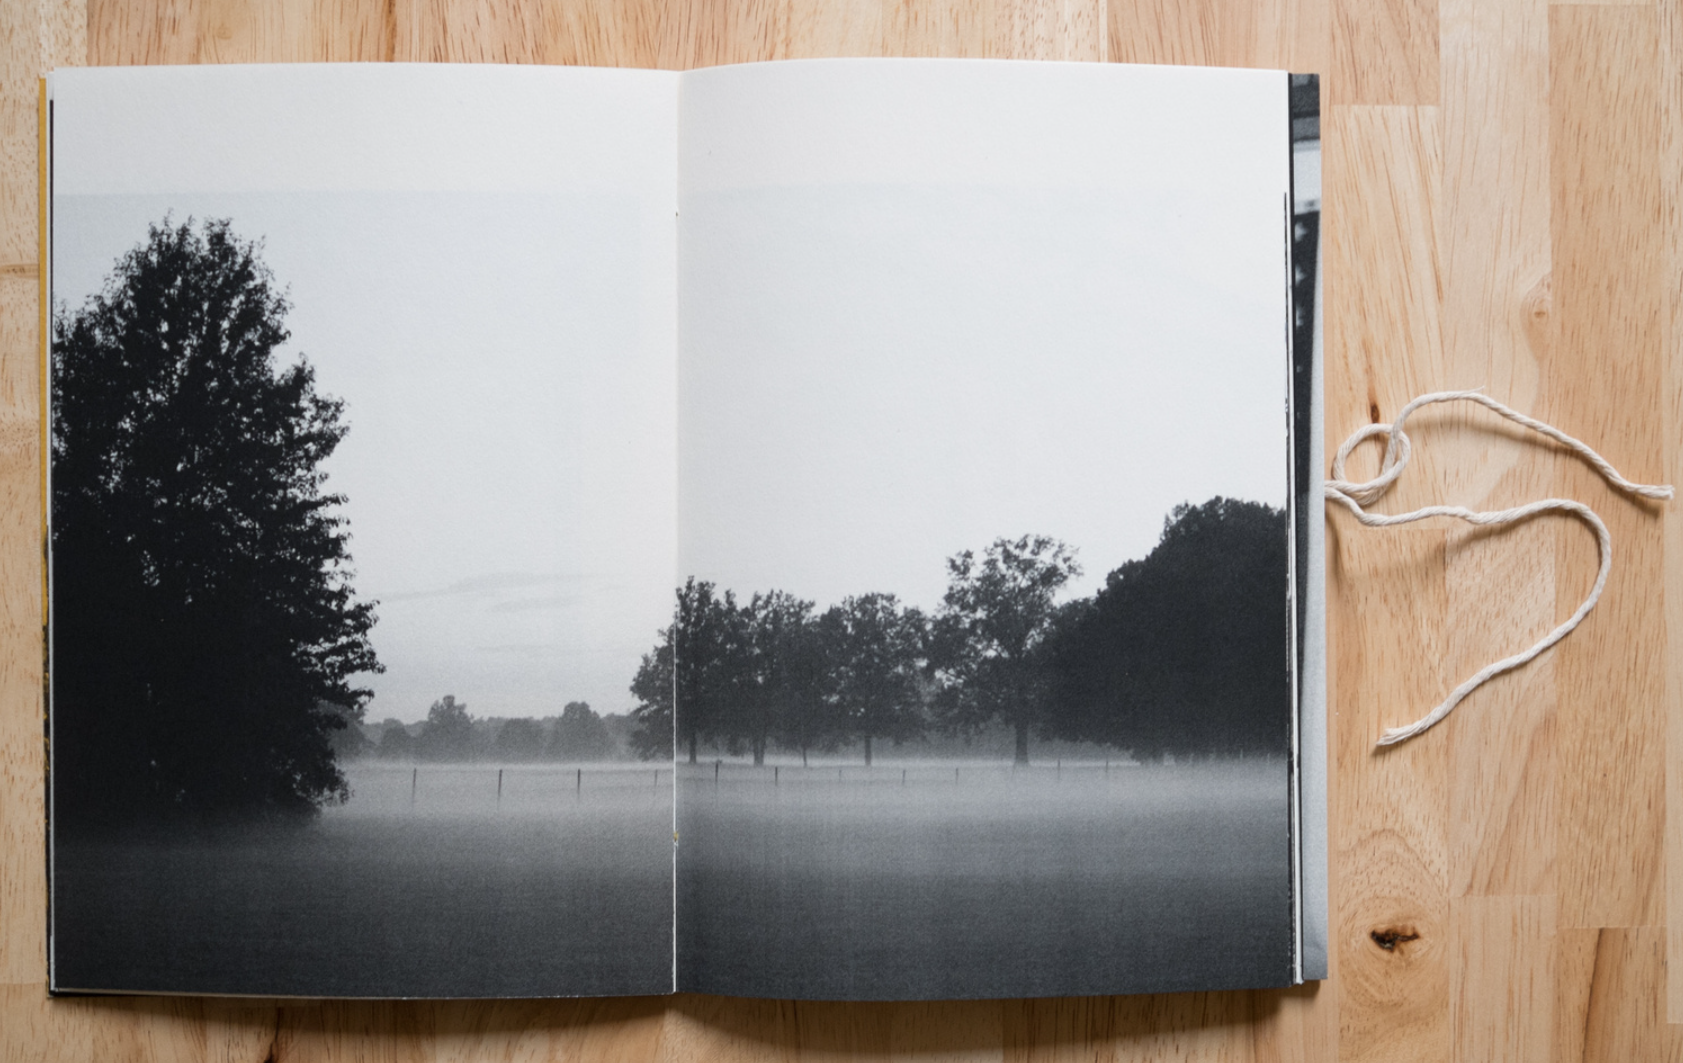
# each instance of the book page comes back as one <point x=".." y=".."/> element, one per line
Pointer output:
<point x="341" y="658"/>
<point x="984" y="667"/>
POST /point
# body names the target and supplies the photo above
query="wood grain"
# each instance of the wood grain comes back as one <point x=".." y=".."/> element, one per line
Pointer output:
<point x="1605" y="380"/>
<point x="1504" y="207"/>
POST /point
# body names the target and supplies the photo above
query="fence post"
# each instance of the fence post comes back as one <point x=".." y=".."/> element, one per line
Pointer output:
<point x="902" y="776"/>
<point x="716" y="774"/>
<point x="499" y="786"/>
<point x="955" y="776"/>
<point x="774" y="771"/>
<point x="578" y="787"/>
<point x="414" y="777"/>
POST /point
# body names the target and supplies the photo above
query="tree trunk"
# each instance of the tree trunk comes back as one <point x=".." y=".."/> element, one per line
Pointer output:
<point x="1022" y="742"/>
<point x="867" y="751"/>
<point x="692" y="747"/>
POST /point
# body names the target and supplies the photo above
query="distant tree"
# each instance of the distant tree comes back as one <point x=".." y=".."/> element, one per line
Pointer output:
<point x="993" y="624"/>
<point x="877" y="656"/>
<point x="519" y="739"/>
<point x="203" y="612"/>
<point x="448" y="734"/>
<point x="1187" y="650"/>
<point x="580" y="734"/>
<point x="396" y="743"/>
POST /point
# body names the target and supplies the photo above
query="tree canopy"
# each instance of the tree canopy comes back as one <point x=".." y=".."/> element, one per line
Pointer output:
<point x="1182" y="651"/>
<point x="205" y="630"/>
<point x="994" y="622"/>
<point x="877" y="660"/>
<point x="580" y="734"/>
<point x="1187" y="650"/>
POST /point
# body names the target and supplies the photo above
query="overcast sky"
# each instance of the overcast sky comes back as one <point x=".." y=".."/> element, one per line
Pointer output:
<point x="922" y="306"/>
<point x="509" y="463"/>
<point x="941" y="305"/>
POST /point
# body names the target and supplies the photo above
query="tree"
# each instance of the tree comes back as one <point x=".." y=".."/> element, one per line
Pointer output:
<point x="203" y="611"/>
<point x="349" y="742"/>
<point x="686" y="683"/>
<point x="799" y="674"/>
<point x="782" y="675"/>
<point x="878" y="651"/>
<point x="1186" y="650"/>
<point x="651" y="718"/>
<point x="580" y="734"/>
<point x="448" y="734"/>
<point x="396" y="743"/>
<point x="519" y="739"/>
<point x="994" y="620"/>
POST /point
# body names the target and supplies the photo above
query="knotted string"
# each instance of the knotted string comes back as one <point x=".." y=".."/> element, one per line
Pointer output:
<point x="1356" y="496"/>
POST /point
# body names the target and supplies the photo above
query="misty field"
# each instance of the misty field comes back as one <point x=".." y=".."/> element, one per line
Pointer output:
<point x="426" y="883"/>
<point x="939" y="881"/>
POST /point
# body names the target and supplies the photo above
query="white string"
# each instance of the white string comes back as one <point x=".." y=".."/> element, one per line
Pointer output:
<point x="1355" y="496"/>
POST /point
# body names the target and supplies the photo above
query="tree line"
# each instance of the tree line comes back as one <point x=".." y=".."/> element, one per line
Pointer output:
<point x="451" y="734"/>
<point x="207" y="637"/>
<point x="1185" y="651"/>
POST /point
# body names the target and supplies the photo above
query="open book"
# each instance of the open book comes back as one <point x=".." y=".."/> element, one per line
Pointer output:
<point x="833" y="529"/>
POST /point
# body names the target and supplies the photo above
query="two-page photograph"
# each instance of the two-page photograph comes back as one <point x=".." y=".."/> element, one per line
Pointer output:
<point x="818" y="530"/>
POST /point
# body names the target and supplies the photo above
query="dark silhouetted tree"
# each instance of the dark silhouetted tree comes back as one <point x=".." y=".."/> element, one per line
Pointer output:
<point x="995" y="617"/>
<point x="580" y="734"/>
<point x="876" y="657"/>
<point x="1187" y="650"/>
<point x="796" y="663"/>
<point x="694" y="671"/>
<point x="203" y="612"/>
<point x="651" y="718"/>
<point x="779" y="672"/>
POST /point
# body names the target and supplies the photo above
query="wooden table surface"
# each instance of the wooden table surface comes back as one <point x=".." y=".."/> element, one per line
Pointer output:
<point x="1502" y="198"/>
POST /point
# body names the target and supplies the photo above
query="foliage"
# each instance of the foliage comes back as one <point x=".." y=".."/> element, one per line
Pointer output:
<point x="877" y="655"/>
<point x="992" y="628"/>
<point x="651" y="719"/>
<point x="203" y="613"/>
<point x="396" y="743"/>
<point x="518" y="739"/>
<point x="448" y="732"/>
<point x="1183" y="651"/>
<point x="709" y="649"/>
<point x="580" y="734"/>
<point x="1186" y="650"/>
<point x="780" y="688"/>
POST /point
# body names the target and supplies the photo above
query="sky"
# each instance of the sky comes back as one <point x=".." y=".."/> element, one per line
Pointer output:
<point x="950" y="303"/>
<point x="891" y="311"/>
<point x="509" y="461"/>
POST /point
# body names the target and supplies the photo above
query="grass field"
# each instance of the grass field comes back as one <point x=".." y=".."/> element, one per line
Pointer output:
<point x="422" y="885"/>
<point x="937" y="881"/>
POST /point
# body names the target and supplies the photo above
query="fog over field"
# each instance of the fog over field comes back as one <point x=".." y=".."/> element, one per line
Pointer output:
<point x="943" y="880"/>
<point x="559" y="886"/>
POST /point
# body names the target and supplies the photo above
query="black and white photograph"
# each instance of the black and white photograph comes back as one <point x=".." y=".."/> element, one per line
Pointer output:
<point x="983" y="657"/>
<point x="362" y="514"/>
<point x="814" y="530"/>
